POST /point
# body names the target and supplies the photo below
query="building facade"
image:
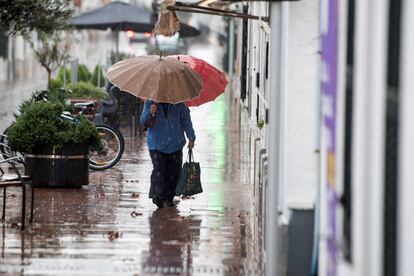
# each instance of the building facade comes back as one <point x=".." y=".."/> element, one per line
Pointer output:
<point x="330" y="168"/>
<point x="17" y="61"/>
<point x="274" y="82"/>
<point x="367" y="141"/>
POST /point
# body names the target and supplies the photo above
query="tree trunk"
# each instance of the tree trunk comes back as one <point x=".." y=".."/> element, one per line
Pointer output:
<point x="49" y="73"/>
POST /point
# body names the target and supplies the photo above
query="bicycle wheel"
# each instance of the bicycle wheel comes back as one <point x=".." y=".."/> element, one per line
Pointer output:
<point x="3" y="141"/>
<point x="5" y="150"/>
<point x="112" y="149"/>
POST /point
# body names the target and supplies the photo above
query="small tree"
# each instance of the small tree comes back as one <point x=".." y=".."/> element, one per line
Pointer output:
<point x="21" y="17"/>
<point x="53" y="52"/>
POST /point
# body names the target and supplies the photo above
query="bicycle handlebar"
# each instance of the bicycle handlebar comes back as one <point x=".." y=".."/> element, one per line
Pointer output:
<point x="83" y="105"/>
<point x="41" y="96"/>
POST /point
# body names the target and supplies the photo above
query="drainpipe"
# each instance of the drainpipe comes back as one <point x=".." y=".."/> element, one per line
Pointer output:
<point x="272" y="200"/>
<point x="283" y="107"/>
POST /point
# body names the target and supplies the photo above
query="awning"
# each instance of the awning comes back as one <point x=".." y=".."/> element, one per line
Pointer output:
<point x="184" y="7"/>
<point x="119" y="16"/>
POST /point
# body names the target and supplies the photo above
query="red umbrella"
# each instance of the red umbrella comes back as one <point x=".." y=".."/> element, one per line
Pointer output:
<point x="213" y="80"/>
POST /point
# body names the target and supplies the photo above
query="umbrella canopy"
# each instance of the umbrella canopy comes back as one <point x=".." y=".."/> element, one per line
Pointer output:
<point x="119" y="16"/>
<point x="161" y="79"/>
<point x="213" y="80"/>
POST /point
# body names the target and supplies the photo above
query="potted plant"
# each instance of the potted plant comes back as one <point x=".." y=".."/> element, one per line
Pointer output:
<point x="55" y="150"/>
<point x="260" y="123"/>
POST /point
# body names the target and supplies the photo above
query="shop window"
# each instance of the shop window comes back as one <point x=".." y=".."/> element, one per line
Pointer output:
<point x="243" y="77"/>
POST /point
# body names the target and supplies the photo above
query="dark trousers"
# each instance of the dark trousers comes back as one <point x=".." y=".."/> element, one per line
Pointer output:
<point x="165" y="173"/>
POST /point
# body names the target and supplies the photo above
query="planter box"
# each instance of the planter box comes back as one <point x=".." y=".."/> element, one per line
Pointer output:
<point x="64" y="167"/>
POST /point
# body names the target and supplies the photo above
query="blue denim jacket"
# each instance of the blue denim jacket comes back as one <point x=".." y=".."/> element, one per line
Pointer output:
<point x="166" y="134"/>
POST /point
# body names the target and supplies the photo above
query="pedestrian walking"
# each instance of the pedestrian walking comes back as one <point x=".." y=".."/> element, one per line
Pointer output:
<point x="165" y="83"/>
<point x="166" y="124"/>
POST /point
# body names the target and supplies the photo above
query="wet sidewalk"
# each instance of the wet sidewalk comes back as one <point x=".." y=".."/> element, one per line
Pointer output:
<point x="111" y="227"/>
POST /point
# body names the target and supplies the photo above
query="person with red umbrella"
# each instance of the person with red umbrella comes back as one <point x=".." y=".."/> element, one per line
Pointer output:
<point x="169" y="85"/>
<point x="165" y="83"/>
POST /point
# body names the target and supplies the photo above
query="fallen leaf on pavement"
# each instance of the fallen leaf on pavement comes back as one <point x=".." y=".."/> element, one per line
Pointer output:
<point x="112" y="235"/>
<point x="135" y="214"/>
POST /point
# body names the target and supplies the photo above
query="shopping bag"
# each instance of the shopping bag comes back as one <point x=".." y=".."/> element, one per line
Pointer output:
<point x="189" y="182"/>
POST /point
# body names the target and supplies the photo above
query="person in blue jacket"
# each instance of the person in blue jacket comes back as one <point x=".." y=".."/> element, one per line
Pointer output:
<point x="166" y="124"/>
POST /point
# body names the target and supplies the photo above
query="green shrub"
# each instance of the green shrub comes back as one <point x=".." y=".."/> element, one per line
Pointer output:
<point x="86" y="90"/>
<point x="115" y="57"/>
<point x="55" y="84"/>
<point x="83" y="73"/>
<point x="27" y="103"/>
<point x="59" y="96"/>
<point x="61" y="72"/>
<point x="40" y="126"/>
<point x="260" y="123"/>
<point x="97" y="71"/>
<point x="84" y="132"/>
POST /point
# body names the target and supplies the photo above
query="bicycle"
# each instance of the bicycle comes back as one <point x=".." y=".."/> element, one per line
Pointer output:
<point x="112" y="140"/>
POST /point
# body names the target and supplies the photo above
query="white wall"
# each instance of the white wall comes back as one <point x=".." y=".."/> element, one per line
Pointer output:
<point x="291" y="136"/>
<point x="301" y="99"/>
<point x="406" y="188"/>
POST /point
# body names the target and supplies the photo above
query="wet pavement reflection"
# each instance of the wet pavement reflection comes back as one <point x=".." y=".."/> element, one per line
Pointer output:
<point x="11" y="95"/>
<point x="111" y="227"/>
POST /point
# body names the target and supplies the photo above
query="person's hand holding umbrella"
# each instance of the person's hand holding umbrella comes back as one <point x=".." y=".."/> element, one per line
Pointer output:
<point x="153" y="109"/>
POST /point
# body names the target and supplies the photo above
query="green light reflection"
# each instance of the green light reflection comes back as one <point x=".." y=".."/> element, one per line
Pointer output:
<point x="216" y="126"/>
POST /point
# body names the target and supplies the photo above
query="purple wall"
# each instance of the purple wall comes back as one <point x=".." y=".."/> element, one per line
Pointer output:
<point x="329" y="32"/>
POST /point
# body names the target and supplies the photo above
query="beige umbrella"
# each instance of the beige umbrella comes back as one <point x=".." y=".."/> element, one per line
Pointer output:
<point x="161" y="79"/>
